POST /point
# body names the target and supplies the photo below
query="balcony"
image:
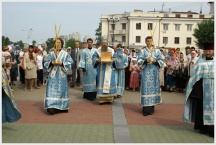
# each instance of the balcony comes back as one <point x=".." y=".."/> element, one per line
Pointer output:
<point x="116" y="42"/>
<point x="117" y="31"/>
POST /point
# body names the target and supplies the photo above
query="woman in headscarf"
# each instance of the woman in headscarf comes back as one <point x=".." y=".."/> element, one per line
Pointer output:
<point x="172" y="66"/>
<point x="30" y="68"/>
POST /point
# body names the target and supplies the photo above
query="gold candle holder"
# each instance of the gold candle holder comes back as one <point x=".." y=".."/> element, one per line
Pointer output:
<point x="151" y="59"/>
<point x="151" y="49"/>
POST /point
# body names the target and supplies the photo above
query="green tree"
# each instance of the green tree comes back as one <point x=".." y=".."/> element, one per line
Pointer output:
<point x="34" y="42"/>
<point x="98" y="33"/>
<point x="5" y="41"/>
<point x="70" y="43"/>
<point x="49" y="43"/>
<point x="20" y="43"/>
<point x="204" y="32"/>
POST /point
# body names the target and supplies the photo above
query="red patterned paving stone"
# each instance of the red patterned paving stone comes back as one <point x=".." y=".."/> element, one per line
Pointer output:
<point x="79" y="113"/>
<point x="165" y="115"/>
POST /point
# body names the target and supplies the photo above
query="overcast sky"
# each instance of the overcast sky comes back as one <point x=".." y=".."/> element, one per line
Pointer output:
<point x="19" y="17"/>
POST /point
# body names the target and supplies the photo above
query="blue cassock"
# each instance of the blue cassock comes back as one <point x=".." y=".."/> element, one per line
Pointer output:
<point x="89" y="80"/>
<point x="101" y="69"/>
<point x="138" y="54"/>
<point x="57" y="86"/>
<point x="10" y="112"/>
<point x="150" y="82"/>
<point x="203" y="69"/>
<point x="121" y="62"/>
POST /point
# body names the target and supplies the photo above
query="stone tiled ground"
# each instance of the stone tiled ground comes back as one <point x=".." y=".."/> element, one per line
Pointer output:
<point x="56" y="133"/>
<point x="165" y="114"/>
<point x="79" y="113"/>
<point x="166" y="134"/>
<point x="89" y="122"/>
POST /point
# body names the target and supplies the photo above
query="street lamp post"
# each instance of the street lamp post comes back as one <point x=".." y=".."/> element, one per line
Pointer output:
<point x="113" y="33"/>
<point x="113" y="22"/>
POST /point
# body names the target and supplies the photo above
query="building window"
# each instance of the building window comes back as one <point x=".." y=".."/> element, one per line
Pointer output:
<point x="190" y="16"/>
<point x="138" y="38"/>
<point x="188" y="40"/>
<point x="123" y="25"/>
<point x="178" y="15"/>
<point x="138" y="26"/>
<point x="123" y="38"/>
<point x="176" y="40"/>
<point x="113" y="26"/>
<point x="166" y="15"/>
<point x="177" y="27"/>
<point x="189" y="27"/>
<point x="165" y="26"/>
<point x="201" y="16"/>
<point x="150" y="26"/>
<point x="165" y="40"/>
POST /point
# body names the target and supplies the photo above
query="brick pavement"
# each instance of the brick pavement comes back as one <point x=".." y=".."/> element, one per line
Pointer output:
<point x="89" y="122"/>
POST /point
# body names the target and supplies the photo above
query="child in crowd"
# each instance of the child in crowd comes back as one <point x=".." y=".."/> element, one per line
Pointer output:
<point x="134" y="77"/>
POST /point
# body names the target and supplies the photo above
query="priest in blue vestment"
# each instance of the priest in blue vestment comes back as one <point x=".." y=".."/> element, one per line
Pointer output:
<point x="199" y="99"/>
<point x="89" y="72"/>
<point x="105" y="79"/>
<point x="57" y="64"/>
<point x="10" y="111"/>
<point x="121" y="62"/>
<point x="150" y="61"/>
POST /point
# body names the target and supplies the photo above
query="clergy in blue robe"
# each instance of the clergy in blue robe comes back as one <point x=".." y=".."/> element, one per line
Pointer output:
<point x="10" y="111"/>
<point x="199" y="100"/>
<point x="89" y="72"/>
<point x="121" y="62"/>
<point x="150" y="82"/>
<point x="105" y="79"/>
<point x="56" y="97"/>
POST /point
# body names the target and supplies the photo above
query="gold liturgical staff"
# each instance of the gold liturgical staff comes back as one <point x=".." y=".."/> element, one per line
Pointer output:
<point x="56" y="50"/>
<point x="152" y="47"/>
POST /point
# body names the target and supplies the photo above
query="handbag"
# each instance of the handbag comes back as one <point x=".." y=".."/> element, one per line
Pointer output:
<point x="29" y="65"/>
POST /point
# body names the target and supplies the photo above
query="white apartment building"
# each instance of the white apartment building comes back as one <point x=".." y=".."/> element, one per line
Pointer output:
<point x="169" y="29"/>
<point x="64" y="37"/>
<point x="75" y="35"/>
<point x="86" y="37"/>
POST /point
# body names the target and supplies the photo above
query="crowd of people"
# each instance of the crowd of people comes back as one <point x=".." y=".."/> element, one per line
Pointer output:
<point x="148" y="70"/>
<point x="174" y="75"/>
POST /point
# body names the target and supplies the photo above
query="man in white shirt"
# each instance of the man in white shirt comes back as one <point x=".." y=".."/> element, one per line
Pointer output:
<point x="188" y="53"/>
<point x="84" y="45"/>
<point x="132" y="55"/>
<point x="44" y="54"/>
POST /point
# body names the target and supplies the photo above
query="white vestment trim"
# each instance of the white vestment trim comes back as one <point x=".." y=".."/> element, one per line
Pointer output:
<point x="58" y="99"/>
<point x="151" y="95"/>
<point x="108" y="71"/>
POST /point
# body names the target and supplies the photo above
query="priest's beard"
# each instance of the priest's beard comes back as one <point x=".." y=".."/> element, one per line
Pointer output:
<point x="104" y="49"/>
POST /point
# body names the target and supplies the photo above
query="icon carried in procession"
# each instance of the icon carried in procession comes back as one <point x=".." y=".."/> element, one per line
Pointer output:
<point x="106" y="57"/>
